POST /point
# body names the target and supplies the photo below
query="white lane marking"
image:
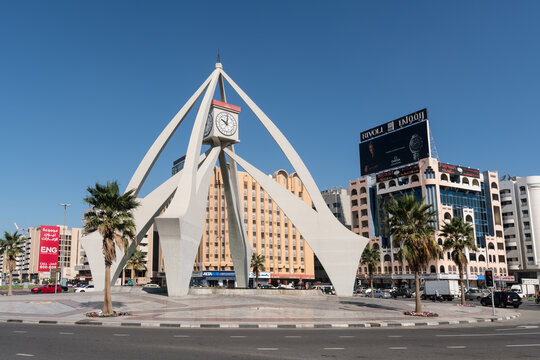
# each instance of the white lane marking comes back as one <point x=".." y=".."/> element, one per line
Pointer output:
<point x="181" y="336"/>
<point x="523" y="327"/>
<point x="293" y="336"/>
<point x="475" y="335"/>
<point x="395" y="336"/>
<point x="23" y="354"/>
<point x="522" y="345"/>
<point x="346" y="336"/>
<point x="334" y="348"/>
<point x="121" y="334"/>
<point x="65" y="333"/>
<point x="456" y="347"/>
<point x="267" y="349"/>
<point x="20" y="332"/>
<point x="398" y="348"/>
<point x="238" y="336"/>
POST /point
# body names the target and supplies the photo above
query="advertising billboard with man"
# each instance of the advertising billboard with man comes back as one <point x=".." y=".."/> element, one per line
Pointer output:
<point x="49" y="239"/>
<point x="395" y="149"/>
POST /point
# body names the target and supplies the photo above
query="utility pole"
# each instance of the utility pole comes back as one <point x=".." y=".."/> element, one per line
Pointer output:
<point x="62" y="244"/>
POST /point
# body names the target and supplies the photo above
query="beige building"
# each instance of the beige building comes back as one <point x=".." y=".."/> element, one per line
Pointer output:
<point x="452" y="191"/>
<point x="288" y="258"/>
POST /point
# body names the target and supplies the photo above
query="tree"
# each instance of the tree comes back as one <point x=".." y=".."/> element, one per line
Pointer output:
<point x="11" y="247"/>
<point x="257" y="264"/>
<point x="137" y="262"/>
<point x="412" y="228"/>
<point x="458" y="237"/>
<point x="110" y="215"/>
<point x="370" y="257"/>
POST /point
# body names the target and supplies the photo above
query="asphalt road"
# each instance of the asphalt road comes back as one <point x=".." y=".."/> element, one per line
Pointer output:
<point x="498" y="341"/>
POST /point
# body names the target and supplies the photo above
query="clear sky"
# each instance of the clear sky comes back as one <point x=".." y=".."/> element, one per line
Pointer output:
<point x="86" y="86"/>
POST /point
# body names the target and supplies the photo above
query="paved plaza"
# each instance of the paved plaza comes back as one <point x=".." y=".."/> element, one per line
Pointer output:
<point x="262" y="310"/>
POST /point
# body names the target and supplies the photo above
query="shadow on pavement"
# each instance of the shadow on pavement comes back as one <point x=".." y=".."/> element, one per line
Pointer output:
<point x="99" y="304"/>
<point x="369" y="305"/>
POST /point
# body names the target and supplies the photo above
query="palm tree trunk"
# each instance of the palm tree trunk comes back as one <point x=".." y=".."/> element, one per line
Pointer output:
<point x="417" y="288"/>
<point x="107" y="301"/>
<point x="10" y="291"/>
<point x="124" y="276"/>
<point x="256" y="279"/>
<point x="371" y="284"/>
<point x="461" y="285"/>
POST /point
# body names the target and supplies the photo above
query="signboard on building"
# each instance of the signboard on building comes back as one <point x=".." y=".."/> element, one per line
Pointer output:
<point x="49" y="239"/>
<point x="404" y="171"/>
<point x="458" y="170"/>
<point x="397" y="124"/>
<point x="396" y="149"/>
<point x="530" y="282"/>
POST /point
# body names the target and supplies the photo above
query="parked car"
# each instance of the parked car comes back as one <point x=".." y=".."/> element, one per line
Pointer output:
<point x="502" y="299"/>
<point x="476" y="294"/>
<point x="85" y="288"/>
<point x="47" y="289"/>
<point x="267" y="286"/>
<point x="380" y="294"/>
<point x="403" y="292"/>
<point x="151" y="285"/>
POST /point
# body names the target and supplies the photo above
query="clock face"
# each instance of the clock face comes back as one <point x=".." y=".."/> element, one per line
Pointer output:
<point x="226" y="123"/>
<point x="208" y="127"/>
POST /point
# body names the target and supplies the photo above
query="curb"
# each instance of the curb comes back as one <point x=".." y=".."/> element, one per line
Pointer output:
<point x="369" y="324"/>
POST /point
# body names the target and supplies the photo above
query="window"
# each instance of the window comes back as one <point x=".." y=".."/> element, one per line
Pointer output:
<point x="382" y="186"/>
<point x="444" y="177"/>
<point x="494" y="185"/>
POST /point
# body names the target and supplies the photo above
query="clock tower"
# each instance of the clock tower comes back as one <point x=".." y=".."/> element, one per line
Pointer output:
<point x="222" y="123"/>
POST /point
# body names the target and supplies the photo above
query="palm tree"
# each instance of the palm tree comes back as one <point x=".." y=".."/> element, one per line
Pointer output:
<point x="458" y="237"/>
<point x="412" y="228"/>
<point x="257" y="263"/>
<point x="11" y="247"/>
<point x="137" y="262"/>
<point x="370" y="257"/>
<point x="110" y="214"/>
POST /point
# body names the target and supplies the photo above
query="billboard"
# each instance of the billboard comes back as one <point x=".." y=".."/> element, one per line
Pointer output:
<point x="393" y="174"/>
<point x="397" y="124"/>
<point x="395" y="149"/>
<point x="49" y="238"/>
<point x="458" y="170"/>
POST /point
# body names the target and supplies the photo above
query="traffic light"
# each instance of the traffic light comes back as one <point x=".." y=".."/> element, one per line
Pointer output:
<point x="488" y="275"/>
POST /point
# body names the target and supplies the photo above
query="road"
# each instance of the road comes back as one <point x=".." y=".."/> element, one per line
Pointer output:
<point x="497" y="341"/>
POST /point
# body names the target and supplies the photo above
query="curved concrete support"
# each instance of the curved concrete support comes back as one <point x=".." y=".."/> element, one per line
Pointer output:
<point x="150" y="206"/>
<point x="238" y="240"/>
<point x="138" y="178"/>
<point x="337" y="248"/>
<point x="180" y="234"/>
<point x="284" y="145"/>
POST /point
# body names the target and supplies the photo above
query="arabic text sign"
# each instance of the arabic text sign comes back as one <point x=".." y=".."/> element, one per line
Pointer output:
<point x="48" y="247"/>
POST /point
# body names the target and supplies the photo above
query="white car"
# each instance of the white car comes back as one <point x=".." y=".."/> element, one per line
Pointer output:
<point x="85" y="288"/>
<point x="151" y="285"/>
<point x="377" y="293"/>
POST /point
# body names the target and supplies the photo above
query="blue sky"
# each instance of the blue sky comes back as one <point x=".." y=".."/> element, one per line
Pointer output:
<point x="86" y="87"/>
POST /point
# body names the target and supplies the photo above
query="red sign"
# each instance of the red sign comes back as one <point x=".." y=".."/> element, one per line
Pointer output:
<point x="48" y="247"/>
<point x="458" y="170"/>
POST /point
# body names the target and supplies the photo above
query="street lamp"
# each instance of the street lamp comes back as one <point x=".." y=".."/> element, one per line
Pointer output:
<point x="62" y="244"/>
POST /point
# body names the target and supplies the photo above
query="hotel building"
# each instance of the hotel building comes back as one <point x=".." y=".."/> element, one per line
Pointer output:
<point x="452" y="191"/>
<point x="288" y="258"/>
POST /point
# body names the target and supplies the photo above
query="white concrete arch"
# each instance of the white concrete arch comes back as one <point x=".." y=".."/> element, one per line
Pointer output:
<point x="181" y="225"/>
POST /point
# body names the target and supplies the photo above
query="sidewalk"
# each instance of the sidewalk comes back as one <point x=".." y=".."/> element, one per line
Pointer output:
<point x="238" y="311"/>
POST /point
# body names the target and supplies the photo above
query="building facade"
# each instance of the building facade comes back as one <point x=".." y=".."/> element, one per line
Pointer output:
<point x="70" y="252"/>
<point x="288" y="258"/>
<point x="453" y="191"/>
<point x="520" y="201"/>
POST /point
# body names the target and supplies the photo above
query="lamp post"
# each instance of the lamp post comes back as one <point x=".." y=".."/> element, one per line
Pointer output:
<point x="62" y="244"/>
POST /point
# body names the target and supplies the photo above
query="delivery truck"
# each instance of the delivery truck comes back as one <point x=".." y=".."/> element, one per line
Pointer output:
<point x="448" y="289"/>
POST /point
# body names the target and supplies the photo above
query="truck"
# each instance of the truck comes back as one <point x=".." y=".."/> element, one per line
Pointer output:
<point x="524" y="289"/>
<point x="448" y="289"/>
